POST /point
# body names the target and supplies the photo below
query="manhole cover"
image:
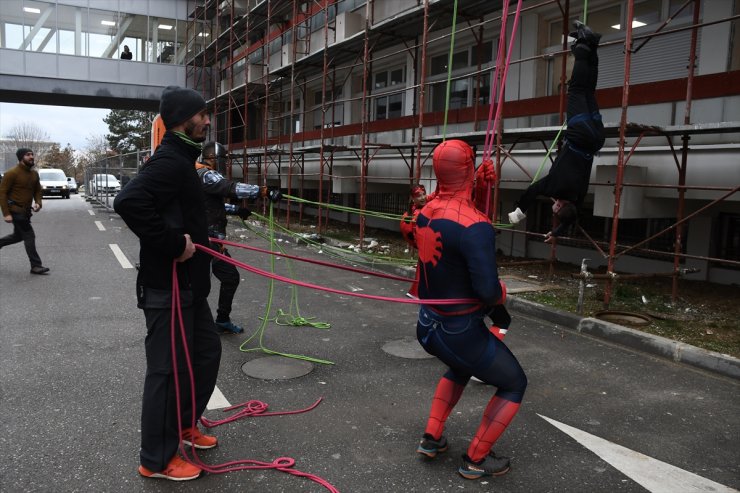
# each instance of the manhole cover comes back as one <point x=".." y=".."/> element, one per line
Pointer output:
<point x="277" y="368"/>
<point x="623" y="318"/>
<point x="408" y="347"/>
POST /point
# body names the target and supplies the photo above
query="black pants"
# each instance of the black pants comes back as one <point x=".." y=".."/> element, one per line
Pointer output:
<point x="22" y="231"/>
<point x="159" y="429"/>
<point x="570" y="172"/>
<point x="229" y="278"/>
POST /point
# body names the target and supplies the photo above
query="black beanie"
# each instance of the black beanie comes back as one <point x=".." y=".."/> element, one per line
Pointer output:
<point x="22" y="152"/>
<point x="179" y="104"/>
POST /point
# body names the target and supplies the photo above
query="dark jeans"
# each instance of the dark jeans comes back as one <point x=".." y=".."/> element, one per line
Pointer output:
<point x="228" y="275"/>
<point x="468" y="348"/>
<point x="159" y="427"/>
<point x="22" y="231"/>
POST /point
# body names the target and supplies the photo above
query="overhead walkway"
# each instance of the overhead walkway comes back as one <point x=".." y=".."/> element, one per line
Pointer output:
<point x="69" y="80"/>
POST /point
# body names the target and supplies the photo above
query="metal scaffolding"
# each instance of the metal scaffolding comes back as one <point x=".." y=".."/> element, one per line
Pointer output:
<point x="256" y="62"/>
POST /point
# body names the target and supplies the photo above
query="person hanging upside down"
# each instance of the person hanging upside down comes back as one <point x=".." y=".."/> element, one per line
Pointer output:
<point x="457" y="260"/>
<point x="567" y="181"/>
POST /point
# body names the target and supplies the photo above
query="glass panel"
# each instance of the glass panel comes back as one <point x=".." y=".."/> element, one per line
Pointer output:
<point x="103" y="27"/>
<point x="484" y="94"/>
<point x="647" y="12"/>
<point x="459" y="93"/>
<point x="381" y="80"/>
<point x="395" y="105"/>
<point x="606" y="21"/>
<point x="44" y="24"/>
<point x="674" y="5"/>
<point x="381" y="108"/>
<point x="439" y="62"/>
<point x="167" y="35"/>
<point x="556" y="33"/>
<point x="460" y="60"/>
<point x="397" y="77"/>
<point x="70" y="23"/>
<point x="439" y="65"/>
<point x="486" y="53"/>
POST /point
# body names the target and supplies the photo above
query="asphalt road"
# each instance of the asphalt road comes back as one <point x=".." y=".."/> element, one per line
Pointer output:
<point x="596" y="417"/>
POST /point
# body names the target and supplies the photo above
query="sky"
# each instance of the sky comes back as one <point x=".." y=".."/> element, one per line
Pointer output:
<point x="63" y="124"/>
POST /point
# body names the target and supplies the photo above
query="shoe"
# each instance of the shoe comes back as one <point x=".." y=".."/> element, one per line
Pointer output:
<point x="516" y="216"/>
<point x="39" y="269"/>
<point x="229" y="327"/>
<point x="193" y="437"/>
<point x="176" y="470"/>
<point x="431" y="447"/>
<point x="584" y="34"/>
<point x="491" y="465"/>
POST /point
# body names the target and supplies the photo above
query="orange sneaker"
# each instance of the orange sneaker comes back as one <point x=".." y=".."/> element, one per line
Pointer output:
<point x="193" y="437"/>
<point x="176" y="470"/>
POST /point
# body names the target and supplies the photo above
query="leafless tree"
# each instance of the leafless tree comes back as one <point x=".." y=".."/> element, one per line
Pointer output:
<point x="30" y="135"/>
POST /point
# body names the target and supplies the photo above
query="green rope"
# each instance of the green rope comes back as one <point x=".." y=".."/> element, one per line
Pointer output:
<point x="344" y="208"/>
<point x="263" y="325"/>
<point x="449" y="69"/>
<point x="585" y="11"/>
<point x="549" y="151"/>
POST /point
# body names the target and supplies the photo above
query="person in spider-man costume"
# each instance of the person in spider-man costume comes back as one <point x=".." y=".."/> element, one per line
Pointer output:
<point x="457" y="260"/>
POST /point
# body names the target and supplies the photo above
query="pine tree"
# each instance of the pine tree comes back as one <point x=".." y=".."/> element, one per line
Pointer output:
<point x="130" y="130"/>
<point x="59" y="158"/>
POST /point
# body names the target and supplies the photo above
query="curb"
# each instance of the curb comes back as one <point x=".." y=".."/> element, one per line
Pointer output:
<point x="661" y="347"/>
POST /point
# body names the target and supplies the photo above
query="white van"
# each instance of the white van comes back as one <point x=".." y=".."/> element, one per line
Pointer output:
<point x="53" y="182"/>
<point x="104" y="184"/>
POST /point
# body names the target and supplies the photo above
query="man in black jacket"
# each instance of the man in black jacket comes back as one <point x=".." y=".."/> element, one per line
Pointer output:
<point x="218" y="188"/>
<point x="164" y="205"/>
<point x="567" y="181"/>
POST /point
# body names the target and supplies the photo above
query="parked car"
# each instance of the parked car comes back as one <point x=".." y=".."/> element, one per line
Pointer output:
<point x="104" y="184"/>
<point x="53" y="182"/>
<point x="72" y="184"/>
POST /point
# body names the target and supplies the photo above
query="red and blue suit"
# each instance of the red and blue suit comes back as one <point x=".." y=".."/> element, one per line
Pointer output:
<point x="457" y="260"/>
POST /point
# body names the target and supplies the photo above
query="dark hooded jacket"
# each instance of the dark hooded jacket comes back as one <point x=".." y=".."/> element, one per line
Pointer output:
<point x="160" y="205"/>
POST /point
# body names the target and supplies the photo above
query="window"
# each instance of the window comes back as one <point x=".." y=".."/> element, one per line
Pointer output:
<point x="333" y="109"/>
<point x="462" y="86"/>
<point x="387" y="107"/>
<point x="331" y="95"/>
<point x="385" y="104"/>
<point x="727" y="237"/>
<point x="388" y="78"/>
<point x="439" y="62"/>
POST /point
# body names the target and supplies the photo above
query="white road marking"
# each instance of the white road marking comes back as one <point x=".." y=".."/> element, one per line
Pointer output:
<point x="120" y="256"/>
<point x="100" y="225"/>
<point x="217" y="401"/>
<point x="91" y="212"/>
<point x="652" y="474"/>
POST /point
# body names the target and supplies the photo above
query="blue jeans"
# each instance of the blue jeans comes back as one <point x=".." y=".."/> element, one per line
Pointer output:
<point x="468" y="348"/>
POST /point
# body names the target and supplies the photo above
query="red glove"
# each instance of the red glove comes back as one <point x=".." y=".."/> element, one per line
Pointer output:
<point x="408" y="228"/>
<point x="486" y="171"/>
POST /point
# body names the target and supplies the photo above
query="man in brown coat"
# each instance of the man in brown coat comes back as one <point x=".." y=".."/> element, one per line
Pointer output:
<point x="19" y="190"/>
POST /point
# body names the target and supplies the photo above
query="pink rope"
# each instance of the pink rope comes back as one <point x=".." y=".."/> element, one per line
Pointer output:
<point x="311" y="261"/>
<point x="283" y="464"/>
<point x="493" y="125"/>
<point x="277" y="277"/>
<point x="494" y="82"/>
